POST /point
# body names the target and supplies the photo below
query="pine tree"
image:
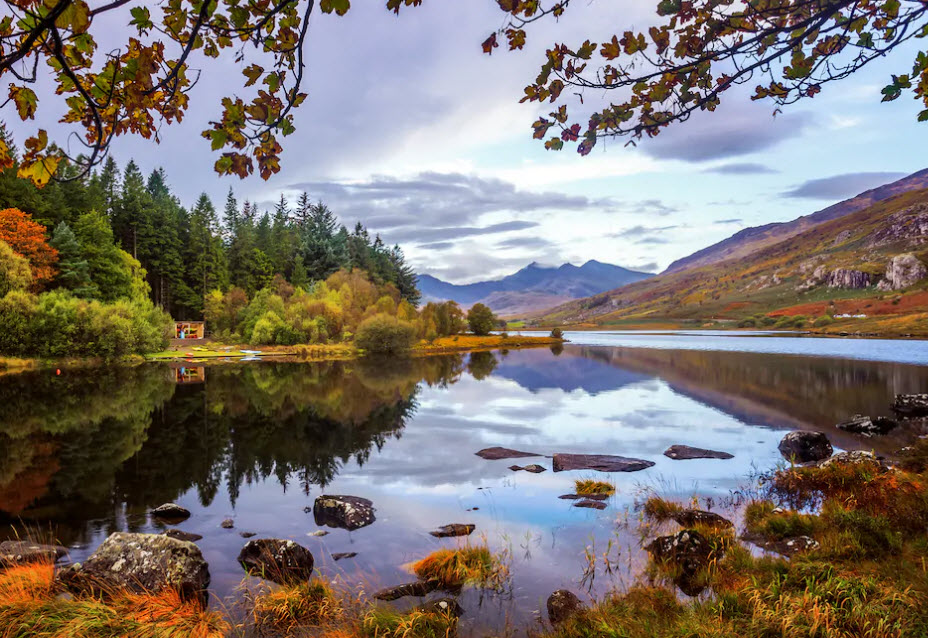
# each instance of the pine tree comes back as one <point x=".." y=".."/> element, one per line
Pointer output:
<point x="203" y="255"/>
<point x="300" y="278"/>
<point x="73" y="269"/>
<point x="104" y="259"/>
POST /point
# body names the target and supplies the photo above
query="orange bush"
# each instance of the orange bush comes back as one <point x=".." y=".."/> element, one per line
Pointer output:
<point x="27" y="239"/>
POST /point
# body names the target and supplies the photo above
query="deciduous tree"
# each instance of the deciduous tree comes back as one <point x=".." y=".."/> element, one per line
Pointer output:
<point x="27" y="239"/>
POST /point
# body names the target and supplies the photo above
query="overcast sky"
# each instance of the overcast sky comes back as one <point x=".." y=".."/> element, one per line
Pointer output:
<point x="411" y="129"/>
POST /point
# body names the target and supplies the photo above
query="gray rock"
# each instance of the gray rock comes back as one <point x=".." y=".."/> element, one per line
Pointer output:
<point x="903" y="271"/>
<point x="846" y="278"/>
<point x="454" y="529"/>
<point x="21" y="552"/>
<point x="910" y="405"/>
<point x="599" y="462"/>
<point x="803" y="446"/>
<point x="171" y="511"/>
<point x="562" y="604"/>
<point x="181" y="535"/>
<point x="227" y="524"/>
<point x="140" y="563"/>
<point x="691" y="517"/>
<point x="247" y="534"/>
<point x="685" y="452"/>
<point x="859" y="424"/>
<point x="417" y="589"/>
<point x="590" y="504"/>
<point x="281" y="561"/>
<point x="853" y="456"/>
<point x="346" y="512"/>
<point x="498" y="453"/>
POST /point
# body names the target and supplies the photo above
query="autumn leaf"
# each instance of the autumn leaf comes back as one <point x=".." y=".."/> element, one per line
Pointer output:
<point x="489" y="44"/>
<point x="25" y="100"/>
<point x="340" y="7"/>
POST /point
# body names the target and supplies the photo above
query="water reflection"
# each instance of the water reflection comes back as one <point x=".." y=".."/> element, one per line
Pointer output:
<point x="89" y="452"/>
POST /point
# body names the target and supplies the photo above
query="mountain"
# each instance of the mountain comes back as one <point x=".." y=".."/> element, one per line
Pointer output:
<point x="749" y="240"/>
<point x="533" y="288"/>
<point x="868" y="269"/>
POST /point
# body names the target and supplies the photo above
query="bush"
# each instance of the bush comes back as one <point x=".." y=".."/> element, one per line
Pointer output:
<point x="481" y="319"/>
<point x="823" y="321"/>
<point x="14" y="270"/>
<point x="383" y="334"/>
<point x="557" y="333"/>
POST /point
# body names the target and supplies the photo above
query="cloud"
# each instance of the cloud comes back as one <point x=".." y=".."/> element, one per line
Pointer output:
<point x="712" y="136"/>
<point x="650" y="266"/>
<point x="652" y="240"/>
<point x="419" y="234"/>
<point x="534" y="243"/>
<point x="733" y="220"/>
<point x="741" y="168"/>
<point x="842" y="186"/>
<point x="640" y="231"/>
<point x="439" y="245"/>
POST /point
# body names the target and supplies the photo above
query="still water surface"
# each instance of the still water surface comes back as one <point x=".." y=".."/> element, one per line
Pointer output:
<point x="88" y="453"/>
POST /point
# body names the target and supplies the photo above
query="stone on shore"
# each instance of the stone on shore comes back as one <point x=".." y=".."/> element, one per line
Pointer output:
<point x="599" y="462"/>
<point x="804" y="446"/>
<point x="22" y="552"/>
<point x="910" y="405"/>
<point x="859" y="424"/>
<point x="692" y="517"/>
<point x="561" y="605"/>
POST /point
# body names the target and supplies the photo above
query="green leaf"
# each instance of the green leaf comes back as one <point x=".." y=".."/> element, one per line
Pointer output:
<point x="340" y="7"/>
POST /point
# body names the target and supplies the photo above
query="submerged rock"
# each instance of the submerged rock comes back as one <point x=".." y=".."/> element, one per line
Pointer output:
<point x="346" y="512"/>
<point x="590" y="504"/>
<point x="227" y="524"/>
<point x="499" y="453"/>
<point x="281" y="561"/>
<point x="691" y="517"/>
<point x="804" y="446"/>
<point x="589" y="497"/>
<point x="561" y="605"/>
<point x="182" y="535"/>
<point x="171" y="511"/>
<point x="454" y="529"/>
<point x="685" y="452"/>
<point x="341" y="555"/>
<point x="20" y="552"/>
<point x="418" y="589"/>
<point x="599" y="462"/>
<point x="859" y="424"/>
<point x="911" y="405"/>
<point x="140" y="563"/>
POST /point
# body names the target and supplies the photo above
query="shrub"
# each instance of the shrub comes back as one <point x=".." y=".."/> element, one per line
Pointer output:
<point x="589" y="486"/>
<point x="14" y="270"/>
<point x="452" y="568"/>
<point x="383" y="334"/>
<point x="557" y="333"/>
<point x="481" y="319"/>
<point x="823" y="321"/>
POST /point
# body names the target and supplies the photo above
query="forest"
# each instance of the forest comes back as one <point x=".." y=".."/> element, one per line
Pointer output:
<point x="99" y="265"/>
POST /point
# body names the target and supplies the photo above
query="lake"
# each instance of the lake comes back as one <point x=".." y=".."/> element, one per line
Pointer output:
<point x="85" y="453"/>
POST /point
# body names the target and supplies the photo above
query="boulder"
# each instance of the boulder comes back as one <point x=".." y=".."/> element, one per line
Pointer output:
<point x="590" y="504"/>
<point x="691" y="517"/>
<point x="20" y="552"/>
<point x="346" y="512"/>
<point x="454" y="529"/>
<point x="599" y="462"/>
<point x="685" y="452"/>
<point x="227" y="524"/>
<point x="418" y="589"/>
<point x="498" y="453"/>
<point x="182" y="535"/>
<point x="171" y="511"/>
<point x="903" y="271"/>
<point x="853" y="456"/>
<point x="562" y="604"/>
<point x="859" y="424"/>
<point x="803" y="446"/>
<point x="910" y="405"/>
<point x="690" y="552"/>
<point x="140" y="563"/>
<point x="846" y="278"/>
<point x="281" y="561"/>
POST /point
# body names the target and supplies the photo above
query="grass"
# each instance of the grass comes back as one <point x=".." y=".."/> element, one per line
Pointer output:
<point x="467" y="565"/>
<point x="30" y="608"/>
<point x="584" y="487"/>
<point x="386" y="622"/>
<point x="306" y="604"/>
<point x="661" y="510"/>
<point x="765" y="519"/>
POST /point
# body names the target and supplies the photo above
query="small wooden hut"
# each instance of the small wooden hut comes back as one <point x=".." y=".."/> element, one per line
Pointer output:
<point x="189" y="329"/>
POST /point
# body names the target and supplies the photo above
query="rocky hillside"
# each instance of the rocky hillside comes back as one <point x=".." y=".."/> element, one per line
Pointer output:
<point x="749" y="240"/>
<point x="533" y="288"/>
<point x="867" y="264"/>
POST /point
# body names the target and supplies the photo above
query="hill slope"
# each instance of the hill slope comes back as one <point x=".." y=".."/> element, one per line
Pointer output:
<point x="532" y="288"/>
<point x="749" y="240"/>
<point x="837" y="267"/>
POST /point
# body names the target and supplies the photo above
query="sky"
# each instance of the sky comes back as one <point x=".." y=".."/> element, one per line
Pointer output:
<point x="412" y="130"/>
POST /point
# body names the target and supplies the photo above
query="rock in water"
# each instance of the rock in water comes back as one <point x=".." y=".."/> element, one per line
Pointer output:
<point x="20" y="552"/>
<point x="171" y="511"/>
<point x="498" y="453"/>
<point x="562" y="604"/>
<point x="534" y="468"/>
<point x="903" y="271"/>
<point x="140" y="563"/>
<point x="281" y="561"/>
<point x="247" y="534"/>
<point x="803" y="446"/>
<point x="341" y="555"/>
<point x="418" y="589"/>
<point x="346" y="512"/>
<point x="516" y="468"/>
<point x="599" y="462"/>
<point x="692" y="517"/>
<point x="454" y="529"/>
<point x="589" y="497"/>
<point x="590" y="504"/>
<point x="447" y="606"/>
<point x="227" y="524"/>
<point x="784" y="546"/>
<point x="181" y="535"/>
<point x="685" y="452"/>
<point x="859" y="424"/>
<point x="911" y="405"/>
<point x="691" y="552"/>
